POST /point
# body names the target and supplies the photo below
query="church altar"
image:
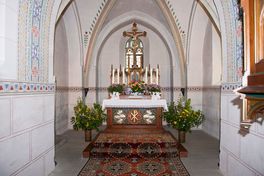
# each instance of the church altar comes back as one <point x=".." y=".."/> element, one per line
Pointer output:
<point x="134" y="114"/>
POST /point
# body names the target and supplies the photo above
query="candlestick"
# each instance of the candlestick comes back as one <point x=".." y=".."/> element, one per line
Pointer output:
<point x="146" y="75"/>
<point x="113" y="76"/>
<point x="123" y="75"/>
<point x="151" y="76"/>
<point x="157" y="76"/>
<point x="118" y="76"/>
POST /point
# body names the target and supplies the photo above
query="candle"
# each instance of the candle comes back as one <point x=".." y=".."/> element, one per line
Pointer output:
<point x="151" y="76"/>
<point x="118" y="76"/>
<point x="157" y="76"/>
<point x="113" y="76"/>
<point x="123" y="75"/>
<point x="146" y="75"/>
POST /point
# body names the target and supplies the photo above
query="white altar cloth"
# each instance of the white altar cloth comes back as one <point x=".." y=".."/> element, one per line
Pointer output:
<point x="134" y="103"/>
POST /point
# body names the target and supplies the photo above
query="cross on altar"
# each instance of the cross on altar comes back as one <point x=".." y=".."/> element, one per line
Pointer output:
<point x="134" y="33"/>
<point x="135" y="70"/>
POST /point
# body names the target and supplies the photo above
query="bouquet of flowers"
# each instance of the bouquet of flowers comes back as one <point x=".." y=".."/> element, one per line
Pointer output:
<point x="137" y="86"/>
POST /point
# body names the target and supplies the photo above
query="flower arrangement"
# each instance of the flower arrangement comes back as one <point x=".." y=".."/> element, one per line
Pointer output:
<point x="115" y="88"/>
<point x="182" y="116"/>
<point x="153" y="88"/>
<point x="137" y="86"/>
<point x="86" y="118"/>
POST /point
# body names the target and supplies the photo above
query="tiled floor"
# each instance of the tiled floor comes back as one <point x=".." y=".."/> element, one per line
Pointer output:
<point x="202" y="159"/>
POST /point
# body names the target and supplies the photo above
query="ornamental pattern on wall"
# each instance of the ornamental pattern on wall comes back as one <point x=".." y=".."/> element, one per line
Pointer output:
<point x="24" y="87"/>
<point x="234" y="41"/>
<point x="33" y="39"/>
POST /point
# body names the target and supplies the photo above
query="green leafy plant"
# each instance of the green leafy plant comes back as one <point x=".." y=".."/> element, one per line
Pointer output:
<point x="87" y="118"/>
<point x="182" y="116"/>
<point x="115" y="88"/>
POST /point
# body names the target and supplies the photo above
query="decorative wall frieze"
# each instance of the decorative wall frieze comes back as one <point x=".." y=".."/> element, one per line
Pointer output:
<point x="26" y="87"/>
<point x="181" y="30"/>
<point x="230" y="87"/>
<point x="69" y="89"/>
<point x="87" y="34"/>
<point x="164" y="89"/>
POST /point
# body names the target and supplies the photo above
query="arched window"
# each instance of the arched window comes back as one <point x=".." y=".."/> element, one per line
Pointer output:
<point x="134" y="53"/>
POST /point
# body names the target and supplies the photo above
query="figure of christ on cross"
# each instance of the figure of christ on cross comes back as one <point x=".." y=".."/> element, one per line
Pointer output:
<point x="134" y="34"/>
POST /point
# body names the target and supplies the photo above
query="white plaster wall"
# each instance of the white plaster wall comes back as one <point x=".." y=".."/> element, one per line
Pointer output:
<point x="8" y="39"/>
<point x="240" y="155"/>
<point x="211" y="80"/>
<point x="61" y="72"/>
<point x="74" y="59"/>
<point x="27" y="138"/>
<point x="195" y="62"/>
<point x="197" y="39"/>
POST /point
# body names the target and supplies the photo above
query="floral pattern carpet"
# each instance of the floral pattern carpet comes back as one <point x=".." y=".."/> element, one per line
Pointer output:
<point x="134" y="155"/>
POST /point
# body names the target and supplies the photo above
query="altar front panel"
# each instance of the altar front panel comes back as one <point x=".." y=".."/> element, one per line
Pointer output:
<point x="134" y="118"/>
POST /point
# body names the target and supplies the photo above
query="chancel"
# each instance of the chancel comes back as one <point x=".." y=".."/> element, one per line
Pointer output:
<point x="113" y="87"/>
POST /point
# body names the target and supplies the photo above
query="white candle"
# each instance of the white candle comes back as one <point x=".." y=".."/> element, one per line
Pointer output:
<point x="146" y="75"/>
<point x="118" y="76"/>
<point x="157" y="76"/>
<point x="113" y="76"/>
<point x="151" y="76"/>
<point x="123" y="75"/>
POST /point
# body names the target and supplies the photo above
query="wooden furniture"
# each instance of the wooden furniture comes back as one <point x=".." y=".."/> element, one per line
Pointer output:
<point x="253" y="103"/>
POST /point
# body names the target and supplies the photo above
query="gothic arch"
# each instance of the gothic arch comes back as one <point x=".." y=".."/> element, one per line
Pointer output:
<point x="168" y="16"/>
<point x="148" y="22"/>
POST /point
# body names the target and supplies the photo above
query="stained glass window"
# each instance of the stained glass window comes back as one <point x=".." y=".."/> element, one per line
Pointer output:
<point x="134" y="53"/>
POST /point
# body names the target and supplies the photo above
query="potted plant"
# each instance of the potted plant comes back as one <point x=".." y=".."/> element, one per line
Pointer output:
<point x="154" y="91"/>
<point x="87" y="118"/>
<point x="183" y="117"/>
<point x="153" y="88"/>
<point x="115" y="89"/>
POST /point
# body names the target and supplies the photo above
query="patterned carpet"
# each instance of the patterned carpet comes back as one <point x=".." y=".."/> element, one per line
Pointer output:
<point x="134" y="155"/>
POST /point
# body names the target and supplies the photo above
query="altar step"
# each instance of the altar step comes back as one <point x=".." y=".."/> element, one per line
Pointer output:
<point x="168" y="144"/>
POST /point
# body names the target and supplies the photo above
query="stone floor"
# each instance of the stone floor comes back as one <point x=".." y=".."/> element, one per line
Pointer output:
<point x="202" y="160"/>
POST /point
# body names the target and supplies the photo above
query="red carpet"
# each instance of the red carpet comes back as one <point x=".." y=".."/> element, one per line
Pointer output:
<point x="134" y="155"/>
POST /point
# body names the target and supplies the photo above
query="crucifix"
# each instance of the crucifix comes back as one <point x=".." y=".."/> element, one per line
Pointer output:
<point x="136" y="69"/>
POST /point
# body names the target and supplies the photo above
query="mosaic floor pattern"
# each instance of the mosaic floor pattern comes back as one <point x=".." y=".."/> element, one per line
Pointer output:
<point x="134" y="155"/>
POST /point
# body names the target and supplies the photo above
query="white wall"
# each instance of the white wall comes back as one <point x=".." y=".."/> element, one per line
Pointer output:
<point x="211" y="81"/>
<point x="74" y="66"/>
<point x="8" y="39"/>
<point x="240" y="155"/>
<point x="61" y="72"/>
<point x="195" y="63"/>
<point x="27" y="134"/>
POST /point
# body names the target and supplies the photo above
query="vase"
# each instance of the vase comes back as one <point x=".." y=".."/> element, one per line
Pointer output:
<point x="155" y="95"/>
<point x="115" y="95"/>
<point x="88" y="135"/>
<point x="181" y="136"/>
